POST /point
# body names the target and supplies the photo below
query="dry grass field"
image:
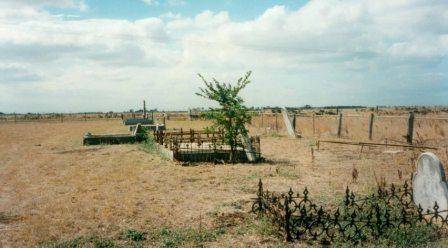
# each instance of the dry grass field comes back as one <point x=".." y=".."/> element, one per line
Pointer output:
<point x="53" y="189"/>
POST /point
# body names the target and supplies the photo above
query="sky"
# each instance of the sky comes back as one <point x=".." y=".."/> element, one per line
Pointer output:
<point x="109" y="55"/>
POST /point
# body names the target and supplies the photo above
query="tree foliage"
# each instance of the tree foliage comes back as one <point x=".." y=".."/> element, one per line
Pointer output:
<point x="231" y="115"/>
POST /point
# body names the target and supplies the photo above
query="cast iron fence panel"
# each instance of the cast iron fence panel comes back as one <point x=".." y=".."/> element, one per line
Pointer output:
<point x="200" y="146"/>
<point x="356" y="219"/>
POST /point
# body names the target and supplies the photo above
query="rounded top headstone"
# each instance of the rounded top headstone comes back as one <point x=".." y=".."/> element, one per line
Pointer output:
<point x="429" y="164"/>
<point x="429" y="184"/>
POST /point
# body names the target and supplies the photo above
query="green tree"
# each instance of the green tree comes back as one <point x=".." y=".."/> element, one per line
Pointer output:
<point x="231" y="116"/>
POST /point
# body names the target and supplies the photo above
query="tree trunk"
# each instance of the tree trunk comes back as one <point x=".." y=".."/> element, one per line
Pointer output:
<point x="232" y="142"/>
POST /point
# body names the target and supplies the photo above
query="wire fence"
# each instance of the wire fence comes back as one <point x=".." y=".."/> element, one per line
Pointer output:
<point x="400" y="128"/>
<point x="76" y="117"/>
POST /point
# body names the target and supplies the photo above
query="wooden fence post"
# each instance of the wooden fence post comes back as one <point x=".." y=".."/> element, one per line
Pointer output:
<point x="314" y="126"/>
<point x="340" y="125"/>
<point x="409" y="136"/>
<point x="85" y="116"/>
<point x="371" y="126"/>
<point x="276" y="122"/>
<point x="15" y="118"/>
<point x="294" y="122"/>
<point x="261" y="119"/>
<point x="62" y="117"/>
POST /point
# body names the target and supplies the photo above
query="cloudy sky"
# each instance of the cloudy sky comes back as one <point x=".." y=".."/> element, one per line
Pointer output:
<point x="102" y="55"/>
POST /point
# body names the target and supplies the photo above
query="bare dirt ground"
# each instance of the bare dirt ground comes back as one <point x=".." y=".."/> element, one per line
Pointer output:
<point x="52" y="188"/>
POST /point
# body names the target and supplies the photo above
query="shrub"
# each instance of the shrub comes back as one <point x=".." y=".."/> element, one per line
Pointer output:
<point x="134" y="235"/>
<point x="232" y="115"/>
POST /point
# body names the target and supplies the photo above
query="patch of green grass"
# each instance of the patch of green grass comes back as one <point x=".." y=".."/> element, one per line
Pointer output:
<point x="180" y="237"/>
<point x="257" y="176"/>
<point x="253" y="176"/>
<point x="265" y="228"/>
<point x="149" y="144"/>
<point x="161" y="237"/>
<point x="134" y="235"/>
<point x="312" y="142"/>
<point x="287" y="174"/>
<point x="261" y="226"/>
<point x="414" y="236"/>
<point x="103" y="243"/>
<point x="407" y="236"/>
<point x="74" y="243"/>
<point x="96" y="242"/>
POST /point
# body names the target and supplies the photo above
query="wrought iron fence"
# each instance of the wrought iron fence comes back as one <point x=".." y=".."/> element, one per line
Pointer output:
<point x="173" y="138"/>
<point x="202" y="146"/>
<point x="355" y="219"/>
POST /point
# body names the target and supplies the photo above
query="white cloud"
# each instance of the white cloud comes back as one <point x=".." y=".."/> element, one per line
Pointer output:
<point x="171" y="15"/>
<point x="15" y="74"/>
<point x="74" y="4"/>
<point x="171" y="3"/>
<point x="327" y="52"/>
<point x="176" y="2"/>
<point x="151" y="2"/>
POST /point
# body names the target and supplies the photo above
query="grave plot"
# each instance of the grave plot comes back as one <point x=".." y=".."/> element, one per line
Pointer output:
<point x="206" y="146"/>
<point x="147" y="124"/>
<point x="358" y="218"/>
<point x="150" y="127"/>
<point x="137" y="135"/>
<point x="138" y="127"/>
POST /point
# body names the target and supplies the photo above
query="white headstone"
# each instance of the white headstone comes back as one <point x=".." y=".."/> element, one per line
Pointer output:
<point x="429" y="184"/>
<point x="288" y="123"/>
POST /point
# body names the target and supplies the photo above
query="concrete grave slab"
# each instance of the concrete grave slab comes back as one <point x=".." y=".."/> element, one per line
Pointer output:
<point x="136" y="136"/>
<point x="110" y="139"/>
<point x="429" y="184"/>
<point x="135" y="121"/>
<point x="151" y="127"/>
